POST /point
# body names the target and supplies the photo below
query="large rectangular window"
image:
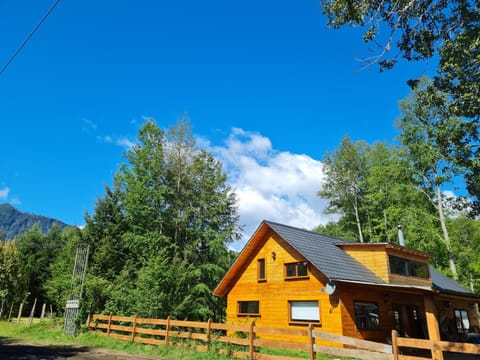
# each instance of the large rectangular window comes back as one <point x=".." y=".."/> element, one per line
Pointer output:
<point x="304" y="311"/>
<point x="366" y="315"/>
<point x="246" y="308"/>
<point x="462" y="321"/>
<point x="406" y="267"/>
<point x="261" y="270"/>
<point x="296" y="270"/>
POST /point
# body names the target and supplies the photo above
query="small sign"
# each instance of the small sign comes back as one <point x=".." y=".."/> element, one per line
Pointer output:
<point x="73" y="304"/>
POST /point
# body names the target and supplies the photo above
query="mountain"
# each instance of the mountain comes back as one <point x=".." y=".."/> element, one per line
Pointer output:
<point x="14" y="222"/>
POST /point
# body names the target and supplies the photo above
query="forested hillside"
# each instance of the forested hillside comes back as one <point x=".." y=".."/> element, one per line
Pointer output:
<point x="14" y="222"/>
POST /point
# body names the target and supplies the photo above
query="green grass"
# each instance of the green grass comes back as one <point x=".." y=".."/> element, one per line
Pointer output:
<point x="51" y="332"/>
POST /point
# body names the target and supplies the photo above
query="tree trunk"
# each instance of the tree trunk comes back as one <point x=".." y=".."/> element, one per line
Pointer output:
<point x="446" y="237"/>
<point x="357" y="218"/>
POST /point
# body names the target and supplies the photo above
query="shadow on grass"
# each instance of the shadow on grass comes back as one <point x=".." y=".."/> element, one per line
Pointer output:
<point x="11" y="349"/>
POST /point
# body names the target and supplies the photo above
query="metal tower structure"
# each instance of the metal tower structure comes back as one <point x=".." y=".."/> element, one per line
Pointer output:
<point x="76" y="289"/>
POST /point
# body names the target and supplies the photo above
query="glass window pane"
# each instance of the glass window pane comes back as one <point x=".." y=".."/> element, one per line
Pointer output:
<point x="398" y="265"/>
<point x="261" y="269"/>
<point x="419" y="270"/>
<point x="291" y="270"/>
<point x="302" y="269"/>
<point x="248" y="307"/>
<point x="366" y="316"/>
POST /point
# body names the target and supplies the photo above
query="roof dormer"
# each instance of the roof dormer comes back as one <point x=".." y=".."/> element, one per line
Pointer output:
<point x="392" y="263"/>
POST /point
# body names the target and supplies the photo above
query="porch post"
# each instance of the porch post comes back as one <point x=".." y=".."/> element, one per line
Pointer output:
<point x="432" y="325"/>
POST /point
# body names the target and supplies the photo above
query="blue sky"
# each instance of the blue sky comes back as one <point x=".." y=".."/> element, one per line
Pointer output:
<point x="267" y="86"/>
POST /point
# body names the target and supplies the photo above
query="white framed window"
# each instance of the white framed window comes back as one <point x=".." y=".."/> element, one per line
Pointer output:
<point x="304" y="311"/>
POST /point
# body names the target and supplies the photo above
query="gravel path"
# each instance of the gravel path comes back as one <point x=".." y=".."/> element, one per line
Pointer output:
<point x="19" y="350"/>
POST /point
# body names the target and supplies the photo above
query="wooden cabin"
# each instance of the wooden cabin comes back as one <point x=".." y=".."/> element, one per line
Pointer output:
<point x="289" y="277"/>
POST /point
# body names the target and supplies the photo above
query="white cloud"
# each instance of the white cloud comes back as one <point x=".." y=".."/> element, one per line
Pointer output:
<point x="271" y="185"/>
<point x="89" y="125"/>
<point x="120" y="141"/>
<point x="4" y="193"/>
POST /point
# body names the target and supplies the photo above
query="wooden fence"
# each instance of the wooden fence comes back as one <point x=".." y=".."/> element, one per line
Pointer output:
<point x="434" y="349"/>
<point x="237" y="341"/>
<point x="250" y="341"/>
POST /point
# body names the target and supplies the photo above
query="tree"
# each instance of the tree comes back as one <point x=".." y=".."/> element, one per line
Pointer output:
<point x="345" y="171"/>
<point x="13" y="282"/>
<point x="159" y="237"/>
<point x="419" y="30"/>
<point x="426" y="126"/>
<point x="37" y="252"/>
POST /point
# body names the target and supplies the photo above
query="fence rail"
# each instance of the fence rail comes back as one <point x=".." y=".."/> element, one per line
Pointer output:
<point x="248" y="341"/>
<point x="239" y="341"/>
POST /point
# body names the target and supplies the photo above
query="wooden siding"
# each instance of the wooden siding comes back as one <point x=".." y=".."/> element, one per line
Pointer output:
<point x="373" y="258"/>
<point x="274" y="293"/>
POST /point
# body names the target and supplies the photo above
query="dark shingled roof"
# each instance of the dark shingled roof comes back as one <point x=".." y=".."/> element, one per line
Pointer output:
<point x="322" y="252"/>
<point x="441" y="283"/>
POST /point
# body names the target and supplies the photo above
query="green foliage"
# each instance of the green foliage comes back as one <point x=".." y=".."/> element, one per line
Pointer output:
<point x="159" y="237"/>
<point x="37" y="252"/>
<point x="419" y="30"/>
<point x="13" y="282"/>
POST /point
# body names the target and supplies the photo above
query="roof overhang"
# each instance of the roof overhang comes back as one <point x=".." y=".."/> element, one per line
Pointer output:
<point x="385" y="246"/>
<point x="241" y="261"/>
<point x="399" y="287"/>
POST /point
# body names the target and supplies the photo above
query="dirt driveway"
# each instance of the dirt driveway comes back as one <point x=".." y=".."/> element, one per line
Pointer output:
<point x="19" y="350"/>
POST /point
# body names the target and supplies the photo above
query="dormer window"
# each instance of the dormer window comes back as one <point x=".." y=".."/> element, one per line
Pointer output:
<point x="407" y="267"/>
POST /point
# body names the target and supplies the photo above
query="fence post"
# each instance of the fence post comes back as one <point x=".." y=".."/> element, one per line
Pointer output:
<point x="19" y="313"/>
<point x="395" y="344"/>
<point x="209" y="333"/>
<point x="311" y="342"/>
<point x="44" y="307"/>
<point x="167" y="330"/>
<point x="134" y="327"/>
<point x="252" y="339"/>
<point x="30" y="319"/>
<point x="89" y="320"/>
<point x="10" y="313"/>
<point x="109" y="330"/>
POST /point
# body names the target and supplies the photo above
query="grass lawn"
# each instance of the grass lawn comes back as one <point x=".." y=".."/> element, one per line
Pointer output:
<point x="51" y="332"/>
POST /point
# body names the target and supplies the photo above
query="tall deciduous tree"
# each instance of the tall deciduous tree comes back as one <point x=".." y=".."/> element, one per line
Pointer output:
<point x="13" y="282"/>
<point x="426" y="126"/>
<point x="345" y="171"/>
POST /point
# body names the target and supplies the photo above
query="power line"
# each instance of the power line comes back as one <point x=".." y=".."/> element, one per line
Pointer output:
<point x="55" y="3"/>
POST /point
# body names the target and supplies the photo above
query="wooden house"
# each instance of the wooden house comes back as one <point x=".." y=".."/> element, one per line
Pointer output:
<point x="289" y="277"/>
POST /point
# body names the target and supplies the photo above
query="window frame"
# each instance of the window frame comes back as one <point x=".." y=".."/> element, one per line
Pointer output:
<point x="409" y="267"/>
<point x="304" y="321"/>
<point x="246" y="302"/>
<point x="368" y="321"/>
<point x="459" y="321"/>
<point x="261" y="268"/>
<point x="296" y="276"/>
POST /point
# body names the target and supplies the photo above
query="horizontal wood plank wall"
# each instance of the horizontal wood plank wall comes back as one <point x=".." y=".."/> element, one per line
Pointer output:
<point x="202" y="335"/>
<point x="275" y="292"/>
<point x="373" y="258"/>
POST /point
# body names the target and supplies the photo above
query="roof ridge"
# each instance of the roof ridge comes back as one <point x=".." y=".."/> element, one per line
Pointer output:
<point x="309" y="231"/>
